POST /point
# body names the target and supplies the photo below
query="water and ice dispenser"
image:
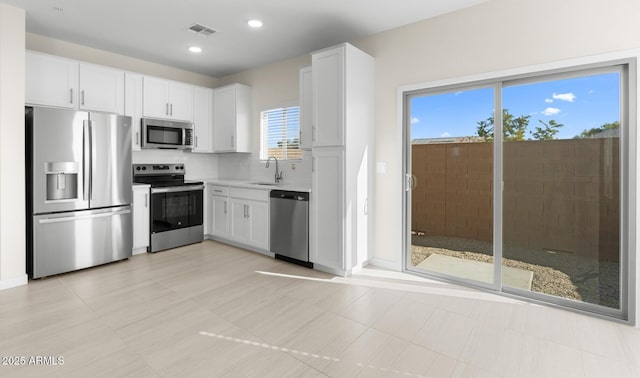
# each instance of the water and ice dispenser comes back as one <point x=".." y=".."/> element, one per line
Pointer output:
<point x="62" y="180"/>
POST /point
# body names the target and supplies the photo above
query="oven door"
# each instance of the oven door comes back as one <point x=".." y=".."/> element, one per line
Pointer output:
<point x="177" y="207"/>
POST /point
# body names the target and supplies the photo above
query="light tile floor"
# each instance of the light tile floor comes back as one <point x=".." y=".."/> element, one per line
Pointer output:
<point x="213" y="310"/>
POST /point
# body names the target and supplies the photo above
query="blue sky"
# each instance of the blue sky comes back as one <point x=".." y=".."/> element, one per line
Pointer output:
<point x="578" y="103"/>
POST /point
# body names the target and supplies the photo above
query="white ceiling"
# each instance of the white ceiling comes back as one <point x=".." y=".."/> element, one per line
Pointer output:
<point x="156" y="30"/>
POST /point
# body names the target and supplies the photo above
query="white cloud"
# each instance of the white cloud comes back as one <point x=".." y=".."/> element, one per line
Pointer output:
<point x="548" y="100"/>
<point x="551" y="111"/>
<point x="445" y="135"/>
<point x="415" y="120"/>
<point x="570" y="97"/>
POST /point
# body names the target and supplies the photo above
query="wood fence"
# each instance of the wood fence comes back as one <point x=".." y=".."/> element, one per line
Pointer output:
<point x="559" y="195"/>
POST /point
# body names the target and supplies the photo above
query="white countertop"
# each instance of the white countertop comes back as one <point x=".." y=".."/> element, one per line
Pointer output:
<point x="252" y="184"/>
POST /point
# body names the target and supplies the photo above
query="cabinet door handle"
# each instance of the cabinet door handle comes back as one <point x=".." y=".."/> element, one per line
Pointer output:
<point x="170" y="109"/>
<point x="248" y="211"/>
<point x="313" y="133"/>
<point x="146" y="200"/>
<point x="166" y="111"/>
<point x="196" y="142"/>
<point x="225" y="207"/>
<point x="137" y="138"/>
<point x="232" y="141"/>
<point x="313" y="165"/>
<point x="71" y="95"/>
<point x="82" y="97"/>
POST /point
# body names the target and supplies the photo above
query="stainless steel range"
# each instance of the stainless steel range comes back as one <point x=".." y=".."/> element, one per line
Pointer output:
<point x="176" y="205"/>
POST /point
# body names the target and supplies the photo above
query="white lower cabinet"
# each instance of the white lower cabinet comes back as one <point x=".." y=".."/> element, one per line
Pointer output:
<point x="141" y="199"/>
<point x="327" y="226"/>
<point x="219" y="216"/>
<point x="239" y="215"/>
<point x="250" y="222"/>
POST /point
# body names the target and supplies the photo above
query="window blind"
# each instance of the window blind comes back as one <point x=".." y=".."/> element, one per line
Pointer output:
<point x="280" y="133"/>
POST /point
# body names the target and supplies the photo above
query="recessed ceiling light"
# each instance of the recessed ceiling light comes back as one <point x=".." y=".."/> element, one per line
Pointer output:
<point x="195" y="49"/>
<point x="255" y="23"/>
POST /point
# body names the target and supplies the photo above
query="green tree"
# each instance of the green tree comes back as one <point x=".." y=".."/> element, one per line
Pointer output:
<point x="513" y="128"/>
<point x="548" y="132"/>
<point x="588" y="133"/>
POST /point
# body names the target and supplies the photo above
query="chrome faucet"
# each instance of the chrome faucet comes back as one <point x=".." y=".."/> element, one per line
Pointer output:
<point x="278" y="174"/>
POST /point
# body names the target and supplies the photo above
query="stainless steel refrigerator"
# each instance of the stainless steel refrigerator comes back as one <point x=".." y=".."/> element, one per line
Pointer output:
<point x="78" y="190"/>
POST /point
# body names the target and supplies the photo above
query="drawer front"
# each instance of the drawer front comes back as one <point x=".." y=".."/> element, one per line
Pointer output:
<point x="217" y="190"/>
<point x="250" y="194"/>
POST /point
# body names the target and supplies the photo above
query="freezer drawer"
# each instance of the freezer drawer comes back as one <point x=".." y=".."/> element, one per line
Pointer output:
<point x="69" y="241"/>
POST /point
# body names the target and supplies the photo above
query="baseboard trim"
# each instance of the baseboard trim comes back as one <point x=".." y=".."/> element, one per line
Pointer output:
<point x="14" y="282"/>
<point x="386" y="264"/>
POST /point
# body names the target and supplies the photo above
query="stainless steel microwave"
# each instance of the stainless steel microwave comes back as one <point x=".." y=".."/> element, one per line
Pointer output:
<point x="160" y="133"/>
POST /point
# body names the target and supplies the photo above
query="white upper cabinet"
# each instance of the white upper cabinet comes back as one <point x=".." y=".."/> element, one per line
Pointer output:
<point x="155" y="97"/>
<point x="203" y="119"/>
<point x="232" y="120"/>
<point x="66" y="83"/>
<point x="328" y="97"/>
<point x="101" y="88"/>
<point x="306" y="108"/>
<point x="167" y="99"/>
<point x="181" y="100"/>
<point x="51" y="81"/>
<point x="133" y="106"/>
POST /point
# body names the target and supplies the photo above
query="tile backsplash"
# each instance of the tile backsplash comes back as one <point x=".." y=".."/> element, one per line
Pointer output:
<point x="249" y="167"/>
<point x="198" y="166"/>
<point x="236" y="166"/>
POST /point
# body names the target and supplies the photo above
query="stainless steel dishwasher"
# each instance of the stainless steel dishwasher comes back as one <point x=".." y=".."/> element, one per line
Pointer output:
<point x="289" y="235"/>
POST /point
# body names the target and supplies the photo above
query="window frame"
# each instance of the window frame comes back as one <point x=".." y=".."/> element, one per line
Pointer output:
<point x="627" y="66"/>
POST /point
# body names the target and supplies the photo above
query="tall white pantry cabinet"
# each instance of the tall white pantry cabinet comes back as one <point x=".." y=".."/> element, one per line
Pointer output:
<point x="342" y="151"/>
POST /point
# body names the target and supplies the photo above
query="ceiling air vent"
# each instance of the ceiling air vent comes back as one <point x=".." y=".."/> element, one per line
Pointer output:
<point x="204" y="31"/>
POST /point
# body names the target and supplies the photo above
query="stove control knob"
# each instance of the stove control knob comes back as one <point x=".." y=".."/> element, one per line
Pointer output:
<point x="137" y="168"/>
<point x="144" y="168"/>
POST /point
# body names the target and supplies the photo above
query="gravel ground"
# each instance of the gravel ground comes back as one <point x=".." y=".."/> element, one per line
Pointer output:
<point x="555" y="273"/>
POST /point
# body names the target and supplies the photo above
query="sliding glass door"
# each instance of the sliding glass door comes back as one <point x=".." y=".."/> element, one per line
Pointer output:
<point x="452" y="196"/>
<point x="520" y="185"/>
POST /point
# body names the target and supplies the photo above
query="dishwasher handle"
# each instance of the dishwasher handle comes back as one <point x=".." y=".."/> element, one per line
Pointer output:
<point x="289" y="195"/>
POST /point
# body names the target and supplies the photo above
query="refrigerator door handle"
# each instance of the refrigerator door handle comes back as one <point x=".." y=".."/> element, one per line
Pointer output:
<point x="92" y="216"/>
<point x="86" y="160"/>
<point x="89" y="168"/>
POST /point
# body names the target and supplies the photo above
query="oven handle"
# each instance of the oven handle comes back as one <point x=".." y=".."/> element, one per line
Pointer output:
<point x="177" y="189"/>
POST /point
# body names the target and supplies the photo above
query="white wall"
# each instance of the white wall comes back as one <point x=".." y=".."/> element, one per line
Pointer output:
<point x="272" y="86"/>
<point x="12" y="181"/>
